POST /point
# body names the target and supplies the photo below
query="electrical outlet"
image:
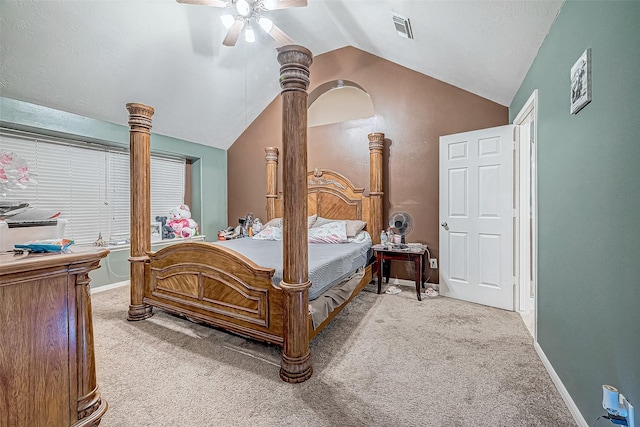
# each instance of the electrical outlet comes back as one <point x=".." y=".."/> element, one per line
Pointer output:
<point x="433" y="262"/>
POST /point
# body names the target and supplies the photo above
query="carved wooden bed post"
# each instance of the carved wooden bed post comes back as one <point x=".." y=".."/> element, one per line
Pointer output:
<point x="272" y="181"/>
<point x="294" y="81"/>
<point x="376" y="145"/>
<point x="140" y="164"/>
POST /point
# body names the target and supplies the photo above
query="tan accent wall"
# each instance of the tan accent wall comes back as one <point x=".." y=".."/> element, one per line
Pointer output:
<point x="412" y="110"/>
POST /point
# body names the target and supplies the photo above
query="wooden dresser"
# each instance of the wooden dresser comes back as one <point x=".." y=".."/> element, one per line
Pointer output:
<point x="47" y="361"/>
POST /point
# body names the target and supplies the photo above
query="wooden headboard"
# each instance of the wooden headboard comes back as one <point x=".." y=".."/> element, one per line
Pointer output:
<point x="332" y="195"/>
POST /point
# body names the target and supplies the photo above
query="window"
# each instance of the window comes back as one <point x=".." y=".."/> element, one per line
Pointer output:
<point x="89" y="184"/>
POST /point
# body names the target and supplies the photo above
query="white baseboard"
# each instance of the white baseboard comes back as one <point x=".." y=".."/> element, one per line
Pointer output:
<point x="575" y="412"/>
<point x="405" y="282"/>
<point x="109" y="287"/>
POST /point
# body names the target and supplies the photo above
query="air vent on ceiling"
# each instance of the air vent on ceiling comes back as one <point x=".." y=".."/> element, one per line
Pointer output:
<point x="403" y="26"/>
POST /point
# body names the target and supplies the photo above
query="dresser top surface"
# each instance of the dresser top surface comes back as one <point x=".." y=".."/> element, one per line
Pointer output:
<point x="14" y="263"/>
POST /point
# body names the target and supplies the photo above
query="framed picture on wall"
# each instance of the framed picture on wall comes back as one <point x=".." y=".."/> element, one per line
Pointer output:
<point x="581" y="82"/>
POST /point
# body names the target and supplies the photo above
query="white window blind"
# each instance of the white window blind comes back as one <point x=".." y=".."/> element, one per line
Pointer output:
<point x="89" y="186"/>
<point x="167" y="179"/>
<point x="118" y="195"/>
<point x="87" y="194"/>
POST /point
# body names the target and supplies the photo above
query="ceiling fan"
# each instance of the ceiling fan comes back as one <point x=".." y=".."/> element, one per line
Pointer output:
<point x="246" y="11"/>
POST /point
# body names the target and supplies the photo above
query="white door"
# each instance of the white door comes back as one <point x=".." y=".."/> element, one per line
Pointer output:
<point x="477" y="216"/>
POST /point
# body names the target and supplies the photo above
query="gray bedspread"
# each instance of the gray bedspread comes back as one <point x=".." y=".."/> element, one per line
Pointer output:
<point x="328" y="263"/>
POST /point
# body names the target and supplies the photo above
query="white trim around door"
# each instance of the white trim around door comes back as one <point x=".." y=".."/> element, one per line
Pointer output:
<point x="526" y="246"/>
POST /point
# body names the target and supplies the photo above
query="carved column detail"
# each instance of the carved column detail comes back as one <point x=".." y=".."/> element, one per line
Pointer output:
<point x="139" y="152"/>
<point x="294" y="81"/>
<point x="376" y="146"/>
<point x="272" y="181"/>
<point x="89" y="402"/>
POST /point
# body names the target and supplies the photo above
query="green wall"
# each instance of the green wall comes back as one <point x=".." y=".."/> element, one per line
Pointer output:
<point x="589" y="203"/>
<point x="209" y="165"/>
<point x="114" y="268"/>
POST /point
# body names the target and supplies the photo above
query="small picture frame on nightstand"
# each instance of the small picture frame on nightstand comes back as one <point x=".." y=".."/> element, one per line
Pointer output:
<point x="156" y="231"/>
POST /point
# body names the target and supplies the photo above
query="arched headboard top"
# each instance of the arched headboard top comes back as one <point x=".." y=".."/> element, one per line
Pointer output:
<point x="332" y="195"/>
<point x="329" y="178"/>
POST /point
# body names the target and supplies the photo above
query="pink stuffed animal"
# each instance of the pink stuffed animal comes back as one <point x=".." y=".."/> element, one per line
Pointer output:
<point x="180" y="220"/>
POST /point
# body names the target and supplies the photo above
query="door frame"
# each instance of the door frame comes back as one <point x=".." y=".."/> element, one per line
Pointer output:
<point x="531" y="106"/>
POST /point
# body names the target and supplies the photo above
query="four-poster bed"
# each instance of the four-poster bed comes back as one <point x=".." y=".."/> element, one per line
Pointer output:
<point x="210" y="283"/>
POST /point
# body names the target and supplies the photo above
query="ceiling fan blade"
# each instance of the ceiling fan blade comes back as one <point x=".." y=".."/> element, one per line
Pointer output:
<point x="282" y="4"/>
<point x="214" y="3"/>
<point x="280" y="36"/>
<point x="233" y="33"/>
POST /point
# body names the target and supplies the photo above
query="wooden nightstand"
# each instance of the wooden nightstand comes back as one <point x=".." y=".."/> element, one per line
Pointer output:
<point x="415" y="254"/>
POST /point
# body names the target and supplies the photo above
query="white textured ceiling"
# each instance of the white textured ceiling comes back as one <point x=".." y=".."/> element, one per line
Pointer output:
<point x="92" y="57"/>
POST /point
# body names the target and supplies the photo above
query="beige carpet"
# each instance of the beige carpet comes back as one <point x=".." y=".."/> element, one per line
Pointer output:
<point x="386" y="360"/>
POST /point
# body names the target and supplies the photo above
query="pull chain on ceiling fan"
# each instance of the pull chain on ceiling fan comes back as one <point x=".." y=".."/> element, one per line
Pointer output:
<point x="248" y="11"/>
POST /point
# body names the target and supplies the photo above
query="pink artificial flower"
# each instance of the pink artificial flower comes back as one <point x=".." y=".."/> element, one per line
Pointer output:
<point x="6" y="158"/>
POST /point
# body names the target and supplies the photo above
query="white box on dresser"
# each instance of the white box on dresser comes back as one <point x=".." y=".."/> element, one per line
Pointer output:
<point x="20" y="235"/>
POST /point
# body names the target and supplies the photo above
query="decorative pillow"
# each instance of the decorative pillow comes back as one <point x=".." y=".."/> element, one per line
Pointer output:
<point x="277" y="222"/>
<point x="269" y="233"/>
<point x="354" y="226"/>
<point x="333" y="232"/>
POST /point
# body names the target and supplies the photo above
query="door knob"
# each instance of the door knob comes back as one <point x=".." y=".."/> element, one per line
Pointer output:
<point x="444" y="224"/>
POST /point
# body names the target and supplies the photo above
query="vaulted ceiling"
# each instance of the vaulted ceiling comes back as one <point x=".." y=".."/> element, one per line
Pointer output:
<point x="92" y="57"/>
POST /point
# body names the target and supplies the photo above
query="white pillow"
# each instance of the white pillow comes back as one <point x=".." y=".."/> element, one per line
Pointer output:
<point x="277" y="222"/>
<point x="269" y="233"/>
<point x="333" y="232"/>
<point x="322" y="221"/>
<point x="361" y="237"/>
<point x="274" y="222"/>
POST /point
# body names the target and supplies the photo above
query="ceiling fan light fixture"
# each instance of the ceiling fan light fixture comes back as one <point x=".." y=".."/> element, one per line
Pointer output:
<point x="243" y="8"/>
<point x="244" y="13"/>
<point x="227" y="21"/>
<point x="265" y="23"/>
<point x="249" y="35"/>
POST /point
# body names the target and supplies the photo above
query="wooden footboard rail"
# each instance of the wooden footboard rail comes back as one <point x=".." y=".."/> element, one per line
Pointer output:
<point x="212" y="284"/>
